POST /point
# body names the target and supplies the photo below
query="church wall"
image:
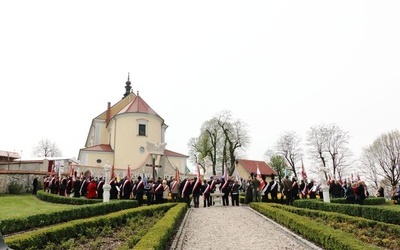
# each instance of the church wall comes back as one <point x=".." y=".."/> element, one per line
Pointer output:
<point x="91" y="157"/>
<point x="130" y="148"/>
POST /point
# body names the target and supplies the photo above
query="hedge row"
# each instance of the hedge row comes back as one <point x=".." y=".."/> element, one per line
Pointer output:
<point x="318" y="233"/>
<point x="163" y="230"/>
<point x="378" y="213"/>
<point x="8" y="226"/>
<point x="71" y="229"/>
<point x="53" y="198"/>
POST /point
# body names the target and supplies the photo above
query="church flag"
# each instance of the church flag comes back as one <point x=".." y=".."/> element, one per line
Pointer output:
<point x="303" y="170"/>
<point x="225" y="177"/>
<point x="198" y="182"/>
<point x="176" y="181"/>
<point x="259" y="176"/>
<point x="128" y="174"/>
<point x="112" y="172"/>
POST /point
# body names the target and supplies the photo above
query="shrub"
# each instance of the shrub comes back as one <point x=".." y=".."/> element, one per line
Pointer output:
<point x="15" y="188"/>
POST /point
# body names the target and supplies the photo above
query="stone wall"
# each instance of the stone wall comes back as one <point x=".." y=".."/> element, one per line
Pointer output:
<point x="24" y="178"/>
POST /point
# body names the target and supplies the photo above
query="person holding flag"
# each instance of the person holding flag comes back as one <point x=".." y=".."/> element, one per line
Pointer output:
<point x="225" y="188"/>
<point x="140" y="190"/>
<point x="196" y="188"/>
<point x="186" y="190"/>
<point x="174" y="186"/>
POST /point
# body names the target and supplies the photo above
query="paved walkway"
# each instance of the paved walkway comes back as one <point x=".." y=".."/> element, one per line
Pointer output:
<point x="239" y="227"/>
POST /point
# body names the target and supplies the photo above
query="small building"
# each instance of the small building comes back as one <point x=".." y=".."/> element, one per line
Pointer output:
<point x="8" y="156"/>
<point x="244" y="169"/>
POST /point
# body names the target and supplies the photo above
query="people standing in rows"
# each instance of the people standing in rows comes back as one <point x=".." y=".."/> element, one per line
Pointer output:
<point x="196" y="191"/>
<point x="235" y="193"/>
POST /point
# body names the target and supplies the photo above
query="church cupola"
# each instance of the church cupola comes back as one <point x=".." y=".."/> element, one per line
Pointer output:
<point x="127" y="87"/>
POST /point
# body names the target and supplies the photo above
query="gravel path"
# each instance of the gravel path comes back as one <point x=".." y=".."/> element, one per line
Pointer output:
<point x="239" y="227"/>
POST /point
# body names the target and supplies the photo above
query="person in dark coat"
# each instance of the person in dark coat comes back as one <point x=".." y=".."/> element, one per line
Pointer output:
<point x="126" y="189"/>
<point x="35" y="186"/>
<point x="77" y="186"/>
<point x="249" y="191"/>
<point x="158" y="191"/>
<point x="225" y="190"/>
<point x="205" y="190"/>
<point x="113" y="190"/>
<point x="196" y="191"/>
<point x="186" y="190"/>
<point x="273" y="189"/>
<point x="140" y="190"/>
<point x="100" y="190"/>
<point x="84" y="186"/>
<point x="235" y="193"/>
<point x="350" y="195"/>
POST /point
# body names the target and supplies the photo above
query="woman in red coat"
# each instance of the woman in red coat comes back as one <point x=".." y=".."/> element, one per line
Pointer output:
<point x="92" y="190"/>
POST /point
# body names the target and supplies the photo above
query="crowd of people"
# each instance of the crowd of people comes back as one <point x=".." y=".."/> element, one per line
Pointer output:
<point x="156" y="191"/>
<point x="290" y="189"/>
<point x="193" y="190"/>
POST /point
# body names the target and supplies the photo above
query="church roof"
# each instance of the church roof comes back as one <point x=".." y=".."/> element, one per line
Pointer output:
<point x="9" y="154"/>
<point x="251" y="167"/>
<point x="100" y="147"/>
<point x="138" y="105"/>
<point x="172" y="153"/>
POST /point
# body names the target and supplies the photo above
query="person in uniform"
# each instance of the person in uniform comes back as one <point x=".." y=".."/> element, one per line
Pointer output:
<point x="205" y="190"/>
<point x="235" y="193"/>
<point x="196" y="191"/>
<point x="174" y="187"/>
<point x="140" y="190"/>
<point x="158" y="191"/>
<point x="100" y="190"/>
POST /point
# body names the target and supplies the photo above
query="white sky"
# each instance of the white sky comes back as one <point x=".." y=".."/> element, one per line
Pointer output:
<point x="276" y="65"/>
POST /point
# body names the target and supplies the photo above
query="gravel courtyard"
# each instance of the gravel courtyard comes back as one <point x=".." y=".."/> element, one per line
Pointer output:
<point x="238" y="227"/>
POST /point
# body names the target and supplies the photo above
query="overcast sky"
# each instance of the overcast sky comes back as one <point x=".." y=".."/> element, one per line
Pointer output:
<point x="276" y="65"/>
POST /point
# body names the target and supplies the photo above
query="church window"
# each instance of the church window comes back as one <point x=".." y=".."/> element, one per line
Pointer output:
<point x="142" y="129"/>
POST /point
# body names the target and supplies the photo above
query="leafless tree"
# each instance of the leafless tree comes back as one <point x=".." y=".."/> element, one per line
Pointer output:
<point x="288" y="145"/>
<point x="220" y="138"/>
<point x="382" y="157"/>
<point x="46" y="148"/>
<point x="328" y="145"/>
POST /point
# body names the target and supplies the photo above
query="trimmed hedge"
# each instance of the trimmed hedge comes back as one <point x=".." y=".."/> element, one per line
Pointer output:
<point x="71" y="229"/>
<point x="8" y="226"/>
<point x="378" y="213"/>
<point x="53" y="198"/>
<point x="163" y="230"/>
<point x="318" y="233"/>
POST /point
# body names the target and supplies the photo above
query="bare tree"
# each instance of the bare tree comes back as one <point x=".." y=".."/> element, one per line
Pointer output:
<point x="220" y="138"/>
<point x="382" y="157"/>
<point x="288" y="146"/>
<point x="46" y="148"/>
<point x="327" y="145"/>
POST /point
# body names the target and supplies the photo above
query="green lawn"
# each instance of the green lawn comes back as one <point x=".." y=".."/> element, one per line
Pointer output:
<point x="12" y="206"/>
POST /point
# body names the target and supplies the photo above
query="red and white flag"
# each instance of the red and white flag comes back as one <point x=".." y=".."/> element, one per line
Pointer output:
<point x="225" y="177"/>
<point x="198" y="182"/>
<point x="303" y="170"/>
<point x="176" y="181"/>
<point x="259" y="176"/>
